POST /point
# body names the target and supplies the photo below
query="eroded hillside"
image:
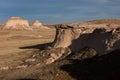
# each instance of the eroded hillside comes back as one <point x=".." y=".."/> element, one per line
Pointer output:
<point x="84" y="51"/>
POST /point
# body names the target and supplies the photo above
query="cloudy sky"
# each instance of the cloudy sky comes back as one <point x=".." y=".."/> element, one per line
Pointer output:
<point x="51" y="11"/>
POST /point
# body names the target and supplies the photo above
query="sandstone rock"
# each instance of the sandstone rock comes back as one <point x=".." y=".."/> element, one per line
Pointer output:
<point x="17" y="23"/>
<point x="102" y="39"/>
<point x="57" y="53"/>
<point x="64" y="35"/>
<point x="21" y="66"/>
<point x="85" y="53"/>
<point x="37" y="24"/>
<point x="45" y="57"/>
<point x="30" y="60"/>
<point x="4" y="68"/>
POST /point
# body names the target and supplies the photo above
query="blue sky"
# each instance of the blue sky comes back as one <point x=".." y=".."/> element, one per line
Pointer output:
<point x="54" y="11"/>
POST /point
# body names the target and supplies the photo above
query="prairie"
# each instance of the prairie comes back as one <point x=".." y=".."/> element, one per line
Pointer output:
<point x="12" y="40"/>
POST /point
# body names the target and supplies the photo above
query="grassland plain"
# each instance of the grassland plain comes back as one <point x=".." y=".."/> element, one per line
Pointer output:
<point x="12" y="40"/>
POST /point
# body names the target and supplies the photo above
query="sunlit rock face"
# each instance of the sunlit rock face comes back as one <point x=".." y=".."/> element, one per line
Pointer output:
<point x="64" y="35"/>
<point x="37" y="24"/>
<point x="17" y="23"/>
<point x="103" y="39"/>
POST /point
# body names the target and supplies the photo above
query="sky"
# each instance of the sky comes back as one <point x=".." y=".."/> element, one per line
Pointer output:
<point x="57" y="11"/>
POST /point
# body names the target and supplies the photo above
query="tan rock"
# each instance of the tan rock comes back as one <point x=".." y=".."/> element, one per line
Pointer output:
<point x="4" y="68"/>
<point x="37" y="24"/>
<point x="102" y="39"/>
<point x="64" y="35"/>
<point x="17" y="23"/>
<point x="57" y="53"/>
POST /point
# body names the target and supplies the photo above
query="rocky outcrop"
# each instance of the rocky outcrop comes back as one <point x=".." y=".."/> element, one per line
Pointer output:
<point x="37" y="24"/>
<point x="17" y="23"/>
<point x="102" y="39"/>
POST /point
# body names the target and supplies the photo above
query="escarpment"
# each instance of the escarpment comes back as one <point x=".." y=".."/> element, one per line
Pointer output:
<point x="65" y="34"/>
<point x="103" y="39"/>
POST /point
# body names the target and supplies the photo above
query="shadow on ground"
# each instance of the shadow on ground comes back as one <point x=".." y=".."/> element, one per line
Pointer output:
<point x="26" y="79"/>
<point x="105" y="67"/>
<point x="37" y="46"/>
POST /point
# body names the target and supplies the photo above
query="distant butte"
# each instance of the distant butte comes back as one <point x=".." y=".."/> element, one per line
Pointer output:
<point x="17" y="23"/>
<point x="37" y="24"/>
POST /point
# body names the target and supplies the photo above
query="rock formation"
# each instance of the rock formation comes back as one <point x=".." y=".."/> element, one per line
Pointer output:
<point x="103" y="39"/>
<point x="65" y="34"/>
<point x="37" y="24"/>
<point x="17" y="23"/>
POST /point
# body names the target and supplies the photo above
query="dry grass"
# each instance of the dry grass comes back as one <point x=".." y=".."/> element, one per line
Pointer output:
<point x="11" y="41"/>
<point x="108" y="21"/>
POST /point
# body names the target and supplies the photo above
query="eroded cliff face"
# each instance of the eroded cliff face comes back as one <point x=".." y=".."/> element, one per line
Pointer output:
<point x="113" y="42"/>
<point x="103" y="39"/>
<point x="17" y="23"/>
<point x="64" y="35"/>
